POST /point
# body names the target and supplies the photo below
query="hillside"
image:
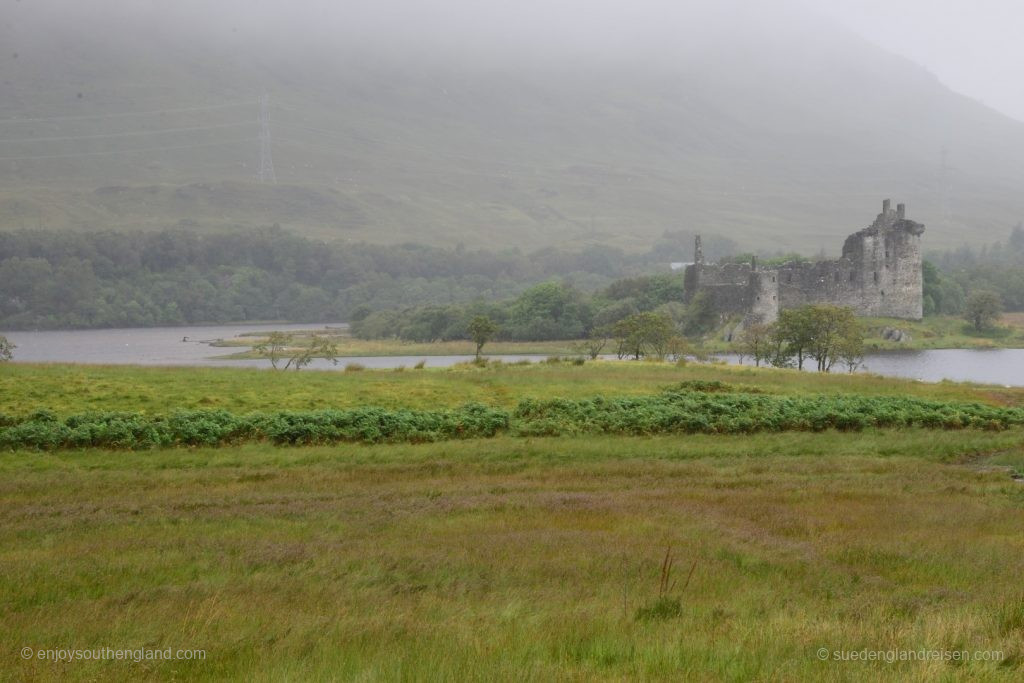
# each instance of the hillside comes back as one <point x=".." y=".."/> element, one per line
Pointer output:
<point x="782" y="142"/>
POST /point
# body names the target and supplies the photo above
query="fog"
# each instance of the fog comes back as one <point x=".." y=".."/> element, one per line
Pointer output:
<point x="653" y="114"/>
<point x="971" y="46"/>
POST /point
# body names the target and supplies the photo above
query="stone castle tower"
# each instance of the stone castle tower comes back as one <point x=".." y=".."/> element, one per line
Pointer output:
<point x="878" y="274"/>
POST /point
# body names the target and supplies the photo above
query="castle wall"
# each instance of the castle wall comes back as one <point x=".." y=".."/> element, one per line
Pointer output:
<point x="765" y="300"/>
<point x="879" y="274"/>
<point x="727" y="286"/>
<point x="887" y="257"/>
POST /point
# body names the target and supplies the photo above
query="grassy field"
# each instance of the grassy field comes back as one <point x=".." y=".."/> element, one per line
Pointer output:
<point x="946" y="332"/>
<point x="508" y="558"/>
<point x="521" y="559"/>
<point x="67" y="389"/>
<point x="350" y="346"/>
<point x="933" y="332"/>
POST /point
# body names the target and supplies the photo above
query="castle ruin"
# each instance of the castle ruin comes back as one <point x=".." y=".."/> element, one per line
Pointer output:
<point x="879" y="274"/>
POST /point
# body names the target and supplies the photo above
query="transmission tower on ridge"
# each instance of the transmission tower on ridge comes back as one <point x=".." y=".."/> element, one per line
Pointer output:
<point x="267" y="174"/>
<point x="944" y="188"/>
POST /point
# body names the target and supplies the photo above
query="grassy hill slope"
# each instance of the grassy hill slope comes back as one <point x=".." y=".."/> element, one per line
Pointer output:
<point x="784" y="142"/>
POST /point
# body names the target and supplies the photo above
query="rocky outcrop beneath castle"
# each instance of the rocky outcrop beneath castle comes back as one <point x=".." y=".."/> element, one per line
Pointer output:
<point x="878" y="274"/>
<point x="894" y="334"/>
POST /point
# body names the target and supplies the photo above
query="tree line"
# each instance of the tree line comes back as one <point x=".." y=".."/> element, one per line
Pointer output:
<point x="66" y="279"/>
<point x="821" y="333"/>
<point x="951" y="277"/>
<point x="556" y="310"/>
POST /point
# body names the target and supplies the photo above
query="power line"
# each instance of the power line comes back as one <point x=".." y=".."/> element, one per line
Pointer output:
<point x="159" y="131"/>
<point x="225" y="105"/>
<point x="125" y="151"/>
<point x="267" y="174"/>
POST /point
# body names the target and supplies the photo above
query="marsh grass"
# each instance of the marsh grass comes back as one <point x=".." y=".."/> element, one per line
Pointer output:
<point x="667" y="605"/>
<point x="69" y="389"/>
<point x="504" y="559"/>
<point x="933" y="332"/>
<point x="508" y="558"/>
<point x="351" y="346"/>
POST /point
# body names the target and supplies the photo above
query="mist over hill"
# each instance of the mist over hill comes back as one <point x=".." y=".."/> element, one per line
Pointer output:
<point x="441" y="122"/>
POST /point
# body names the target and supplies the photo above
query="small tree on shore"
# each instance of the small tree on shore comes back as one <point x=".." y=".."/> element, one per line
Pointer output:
<point x="851" y="350"/>
<point x="319" y="347"/>
<point x="755" y="341"/>
<point x="481" y="330"/>
<point x="6" y="350"/>
<point x="983" y="309"/>
<point x="795" y="328"/>
<point x="831" y="328"/>
<point x="644" y="333"/>
<point x="594" y="344"/>
<point x="276" y="347"/>
<point x="822" y="332"/>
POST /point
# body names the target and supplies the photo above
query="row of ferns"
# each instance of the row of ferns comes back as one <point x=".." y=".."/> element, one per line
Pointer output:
<point x="691" y="408"/>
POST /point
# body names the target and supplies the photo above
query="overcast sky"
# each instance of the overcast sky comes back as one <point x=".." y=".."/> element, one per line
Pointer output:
<point x="976" y="47"/>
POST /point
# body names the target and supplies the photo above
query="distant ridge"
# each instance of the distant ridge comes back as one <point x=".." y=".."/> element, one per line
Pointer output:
<point x="770" y="149"/>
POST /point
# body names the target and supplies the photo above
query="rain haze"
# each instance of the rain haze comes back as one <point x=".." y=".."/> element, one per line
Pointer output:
<point x="518" y="340"/>
<point x="699" y="113"/>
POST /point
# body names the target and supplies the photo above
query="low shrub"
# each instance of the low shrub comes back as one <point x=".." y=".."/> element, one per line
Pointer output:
<point x="687" y="408"/>
<point x="661" y="609"/>
<point x="134" y="431"/>
<point x="714" y="410"/>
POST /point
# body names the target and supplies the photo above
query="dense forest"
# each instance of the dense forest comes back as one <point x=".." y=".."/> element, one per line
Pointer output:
<point x="546" y="311"/>
<point x="951" y="276"/>
<point x="52" y="280"/>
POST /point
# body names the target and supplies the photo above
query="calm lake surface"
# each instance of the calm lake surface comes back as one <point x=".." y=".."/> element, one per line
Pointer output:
<point x="989" y="366"/>
<point x="164" y="346"/>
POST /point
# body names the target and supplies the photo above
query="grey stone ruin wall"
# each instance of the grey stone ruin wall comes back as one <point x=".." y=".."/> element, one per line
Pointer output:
<point x="765" y="300"/>
<point x="727" y="286"/>
<point x="879" y="274"/>
<point x="887" y="257"/>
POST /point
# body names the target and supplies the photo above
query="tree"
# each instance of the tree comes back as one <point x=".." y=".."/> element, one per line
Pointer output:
<point x="677" y="348"/>
<point x="982" y="309"/>
<point x="756" y="341"/>
<point x="822" y="332"/>
<point x="547" y="311"/>
<point x="6" y="350"/>
<point x="481" y="330"/>
<point x="851" y="349"/>
<point x="833" y="329"/>
<point x="1016" y="241"/>
<point x="795" y="329"/>
<point x="779" y="353"/>
<point x="278" y="346"/>
<point x="274" y="347"/>
<point x="594" y="344"/>
<point x="643" y="333"/>
<point x="318" y="347"/>
<point x="700" y="315"/>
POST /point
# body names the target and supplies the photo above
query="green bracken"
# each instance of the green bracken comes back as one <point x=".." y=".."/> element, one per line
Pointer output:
<point x="685" y="409"/>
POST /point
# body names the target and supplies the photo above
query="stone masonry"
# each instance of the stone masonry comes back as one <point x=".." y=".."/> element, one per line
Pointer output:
<point x="879" y="274"/>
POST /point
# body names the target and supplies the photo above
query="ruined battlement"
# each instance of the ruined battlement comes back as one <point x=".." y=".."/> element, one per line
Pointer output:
<point x="878" y="274"/>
